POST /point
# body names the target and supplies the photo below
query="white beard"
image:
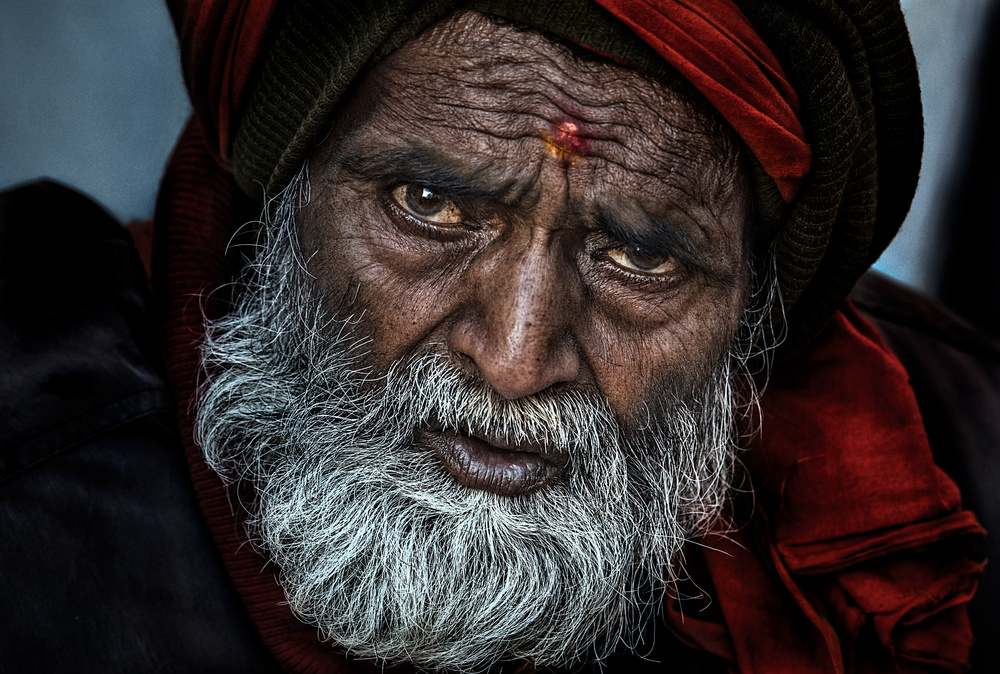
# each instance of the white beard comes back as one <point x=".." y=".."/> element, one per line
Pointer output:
<point x="386" y="553"/>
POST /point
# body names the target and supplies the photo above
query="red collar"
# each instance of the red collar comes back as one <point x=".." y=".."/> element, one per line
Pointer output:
<point x="860" y="549"/>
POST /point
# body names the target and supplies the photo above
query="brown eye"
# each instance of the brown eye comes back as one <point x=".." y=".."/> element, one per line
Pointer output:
<point x="423" y="202"/>
<point x="636" y="259"/>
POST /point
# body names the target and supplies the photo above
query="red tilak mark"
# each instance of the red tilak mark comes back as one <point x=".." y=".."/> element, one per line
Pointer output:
<point x="564" y="144"/>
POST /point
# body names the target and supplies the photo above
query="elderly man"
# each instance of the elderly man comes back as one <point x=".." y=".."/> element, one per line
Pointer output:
<point x="482" y="386"/>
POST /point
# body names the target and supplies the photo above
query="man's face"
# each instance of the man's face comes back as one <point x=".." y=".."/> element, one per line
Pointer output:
<point x="484" y="415"/>
<point x="545" y="222"/>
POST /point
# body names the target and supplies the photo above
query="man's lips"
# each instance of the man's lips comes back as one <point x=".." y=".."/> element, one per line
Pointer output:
<point x="490" y="463"/>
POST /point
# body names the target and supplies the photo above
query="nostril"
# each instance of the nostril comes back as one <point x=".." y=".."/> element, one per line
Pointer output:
<point x="515" y="362"/>
<point x="467" y="366"/>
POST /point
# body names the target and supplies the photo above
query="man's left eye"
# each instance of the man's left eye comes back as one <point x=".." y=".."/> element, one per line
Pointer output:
<point x="423" y="202"/>
<point x="633" y="258"/>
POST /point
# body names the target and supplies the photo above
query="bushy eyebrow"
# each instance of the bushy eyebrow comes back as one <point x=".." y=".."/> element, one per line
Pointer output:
<point x="673" y="237"/>
<point x="640" y="229"/>
<point x="420" y="165"/>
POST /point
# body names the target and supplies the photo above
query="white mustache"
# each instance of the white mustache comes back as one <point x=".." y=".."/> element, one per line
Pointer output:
<point x="431" y="389"/>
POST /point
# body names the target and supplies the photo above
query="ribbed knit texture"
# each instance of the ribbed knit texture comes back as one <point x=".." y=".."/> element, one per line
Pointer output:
<point x="588" y="24"/>
<point x="853" y="67"/>
<point x="320" y="50"/>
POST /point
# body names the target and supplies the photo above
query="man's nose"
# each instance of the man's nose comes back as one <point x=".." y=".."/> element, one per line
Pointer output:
<point x="517" y="328"/>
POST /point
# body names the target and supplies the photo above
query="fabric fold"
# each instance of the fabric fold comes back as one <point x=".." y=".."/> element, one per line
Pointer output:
<point x="860" y="535"/>
<point x="222" y="45"/>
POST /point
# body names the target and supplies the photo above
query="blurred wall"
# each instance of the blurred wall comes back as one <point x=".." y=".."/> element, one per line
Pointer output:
<point x="969" y="212"/>
<point x="946" y="35"/>
<point x="91" y="94"/>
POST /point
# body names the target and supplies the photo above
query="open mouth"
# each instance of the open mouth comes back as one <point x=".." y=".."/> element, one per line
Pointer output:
<point x="491" y="463"/>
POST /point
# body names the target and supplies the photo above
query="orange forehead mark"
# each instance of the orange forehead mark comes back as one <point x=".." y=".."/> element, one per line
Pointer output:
<point x="564" y="144"/>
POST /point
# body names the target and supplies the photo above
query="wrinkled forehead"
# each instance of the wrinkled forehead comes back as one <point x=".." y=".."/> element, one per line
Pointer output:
<point x="498" y="96"/>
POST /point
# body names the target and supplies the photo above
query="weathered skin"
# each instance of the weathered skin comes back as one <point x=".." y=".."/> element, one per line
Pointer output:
<point x="530" y="151"/>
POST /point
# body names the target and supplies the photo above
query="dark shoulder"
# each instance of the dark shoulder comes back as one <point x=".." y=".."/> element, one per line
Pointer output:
<point x="954" y="370"/>
<point x="903" y="310"/>
<point x="76" y="333"/>
<point x="107" y="565"/>
<point x="75" y="329"/>
<point x="30" y="213"/>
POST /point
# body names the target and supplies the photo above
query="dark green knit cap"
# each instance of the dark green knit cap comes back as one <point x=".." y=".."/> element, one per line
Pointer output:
<point x="850" y="62"/>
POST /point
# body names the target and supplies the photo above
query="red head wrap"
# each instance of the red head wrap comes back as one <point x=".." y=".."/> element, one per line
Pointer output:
<point x="713" y="45"/>
<point x="710" y="42"/>
<point x="222" y="43"/>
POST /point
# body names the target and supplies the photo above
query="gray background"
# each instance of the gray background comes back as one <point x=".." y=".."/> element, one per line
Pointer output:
<point x="91" y="94"/>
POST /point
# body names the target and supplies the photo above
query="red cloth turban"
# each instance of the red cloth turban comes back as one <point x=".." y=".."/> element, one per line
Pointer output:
<point x="710" y="42"/>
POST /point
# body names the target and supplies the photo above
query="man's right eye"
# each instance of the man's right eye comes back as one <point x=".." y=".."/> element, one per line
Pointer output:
<point x="423" y="202"/>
